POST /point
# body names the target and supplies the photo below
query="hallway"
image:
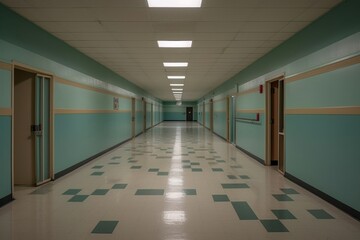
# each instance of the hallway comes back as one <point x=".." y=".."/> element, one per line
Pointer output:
<point x="176" y="181"/>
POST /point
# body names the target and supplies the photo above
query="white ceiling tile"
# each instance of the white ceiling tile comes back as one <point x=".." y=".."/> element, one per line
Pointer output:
<point x="293" y="27"/>
<point x="262" y="27"/>
<point x="69" y="27"/>
<point x="250" y="44"/>
<point x="109" y="14"/>
<point x="128" y="27"/>
<point x="311" y="14"/>
<point x="254" y="35"/>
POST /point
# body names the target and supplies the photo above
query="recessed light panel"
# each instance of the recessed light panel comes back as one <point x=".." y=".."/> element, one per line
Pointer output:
<point x="177" y="92"/>
<point x="174" y="3"/>
<point x="177" y="89"/>
<point x="174" y="44"/>
<point x="176" y="84"/>
<point x="176" y="64"/>
<point x="176" y="77"/>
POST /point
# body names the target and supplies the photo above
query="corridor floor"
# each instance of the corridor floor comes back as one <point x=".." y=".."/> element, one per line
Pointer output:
<point x="177" y="181"/>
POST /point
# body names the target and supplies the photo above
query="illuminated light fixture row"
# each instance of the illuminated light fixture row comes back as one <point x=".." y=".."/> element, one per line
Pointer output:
<point x="176" y="64"/>
<point x="174" y="44"/>
<point x="174" y="3"/>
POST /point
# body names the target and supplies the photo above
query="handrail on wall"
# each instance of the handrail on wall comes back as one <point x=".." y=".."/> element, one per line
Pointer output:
<point x="257" y="119"/>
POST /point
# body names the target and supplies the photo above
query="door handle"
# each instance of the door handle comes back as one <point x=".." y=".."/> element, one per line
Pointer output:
<point x="36" y="130"/>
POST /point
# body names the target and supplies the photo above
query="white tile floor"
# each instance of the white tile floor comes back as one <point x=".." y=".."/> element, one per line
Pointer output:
<point x="174" y="148"/>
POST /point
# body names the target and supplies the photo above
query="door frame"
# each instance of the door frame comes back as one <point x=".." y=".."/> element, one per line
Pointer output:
<point x="133" y="114"/>
<point x="281" y="140"/>
<point x="20" y="66"/>
<point x="192" y="114"/>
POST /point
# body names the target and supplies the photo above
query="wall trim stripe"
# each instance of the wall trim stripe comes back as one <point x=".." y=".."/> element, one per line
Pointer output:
<point x="324" y="69"/>
<point x="325" y="110"/>
<point x="87" y="111"/>
<point x="79" y="85"/>
<point x="5" y="66"/>
<point x="251" y="111"/>
<point x="5" y="112"/>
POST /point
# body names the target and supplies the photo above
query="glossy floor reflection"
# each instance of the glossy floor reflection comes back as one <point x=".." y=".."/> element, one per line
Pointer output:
<point x="177" y="181"/>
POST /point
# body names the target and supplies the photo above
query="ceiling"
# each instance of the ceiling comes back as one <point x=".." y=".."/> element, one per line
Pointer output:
<point x="227" y="35"/>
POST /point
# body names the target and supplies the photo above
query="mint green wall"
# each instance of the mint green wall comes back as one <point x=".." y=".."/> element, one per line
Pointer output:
<point x="250" y="135"/>
<point x="220" y="117"/>
<point x="148" y="115"/>
<point x="200" y="113"/>
<point x="5" y="89"/>
<point x="5" y="134"/>
<point x="207" y="114"/>
<point x="173" y="112"/>
<point x="80" y="136"/>
<point x="321" y="150"/>
<point x="5" y="156"/>
<point x="139" y="116"/>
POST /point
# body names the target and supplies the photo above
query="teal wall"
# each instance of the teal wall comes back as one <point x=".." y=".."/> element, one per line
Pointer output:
<point x="207" y="114"/>
<point x="5" y="156"/>
<point x="200" y="113"/>
<point x="77" y="136"/>
<point x="139" y="116"/>
<point x="321" y="149"/>
<point x="173" y="112"/>
<point x="220" y="117"/>
<point x="148" y="115"/>
<point x="250" y="135"/>
<point x="5" y="134"/>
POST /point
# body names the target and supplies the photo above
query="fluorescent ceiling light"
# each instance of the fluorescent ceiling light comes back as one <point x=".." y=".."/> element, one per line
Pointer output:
<point x="176" y="84"/>
<point x="176" y="77"/>
<point x="174" y="3"/>
<point x="176" y="64"/>
<point x="174" y="44"/>
<point x="177" y="89"/>
<point x="177" y="92"/>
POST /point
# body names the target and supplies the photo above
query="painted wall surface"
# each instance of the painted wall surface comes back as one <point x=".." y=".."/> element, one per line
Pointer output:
<point x="79" y="136"/>
<point x="148" y="115"/>
<point x="173" y="112"/>
<point x="200" y="113"/>
<point x="207" y="114"/>
<point x="250" y="134"/>
<point x="5" y="133"/>
<point x="81" y="133"/>
<point x="220" y="117"/>
<point x="139" y="116"/>
<point x="321" y="149"/>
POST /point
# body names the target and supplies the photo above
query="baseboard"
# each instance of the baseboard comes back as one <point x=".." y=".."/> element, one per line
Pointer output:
<point x="220" y="137"/>
<point x="5" y="200"/>
<point x="251" y="155"/>
<point x="72" y="168"/>
<point x="349" y="210"/>
<point x="273" y="162"/>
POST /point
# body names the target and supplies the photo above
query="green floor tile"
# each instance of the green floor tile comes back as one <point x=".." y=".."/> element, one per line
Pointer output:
<point x="189" y="191"/>
<point x="72" y="191"/>
<point x="185" y="161"/>
<point x="283" y="214"/>
<point x="231" y="176"/>
<point x="153" y="170"/>
<point x="282" y="197"/>
<point x="289" y="191"/>
<point x="217" y="169"/>
<point x="320" y="214"/>
<point x="244" y="176"/>
<point x="100" y="192"/>
<point x="97" y="173"/>
<point x="150" y="192"/>
<point x="234" y="185"/>
<point x="135" y="167"/>
<point x="273" y="226"/>
<point x="200" y="157"/>
<point x="212" y="163"/>
<point x="78" y="198"/>
<point x="195" y="164"/>
<point x="132" y="161"/>
<point x="116" y="157"/>
<point x="186" y="166"/>
<point x="119" y="186"/>
<point x="210" y="158"/>
<point x="196" y="169"/>
<point x="97" y="167"/>
<point x="222" y="161"/>
<point x="114" y="163"/>
<point x="163" y="173"/>
<point x="105" y="227"/>
<point x="42" y="190"/>
<point x="244" y="211"/>
<point x="235" y="166"/>
<point x="220" y="198"/>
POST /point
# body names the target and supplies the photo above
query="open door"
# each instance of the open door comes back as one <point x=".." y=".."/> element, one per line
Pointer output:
<point x="189" y="113"/>
<point x="275" y="123"/>
<point x="32" y="128"/>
